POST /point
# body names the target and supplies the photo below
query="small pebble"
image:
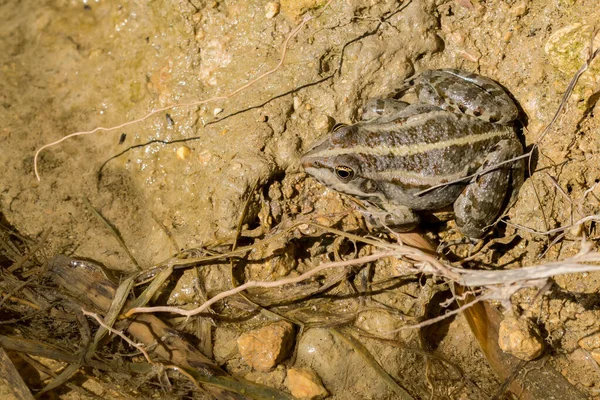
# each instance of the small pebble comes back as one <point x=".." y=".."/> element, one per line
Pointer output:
<point x="205" y="157"/>
<point x="322" y="123"/>
<point x="217" y="111"/>
<point x="264" y="348"/>
<point x="521" y="338"/>
<point x="591" y="343"/>
<point x="520" y="9"/>
<point x="297" y="103"/>
<point x="468" y="56"/>
<point x="183" y="152"/>
<point x="304" y="383"/>
<point x="465" y="3"/>
<point x="295" y="8"/>
<point x="456" y="38"/>
<point x="200" y="35"/>
<point x="272" y="9"/>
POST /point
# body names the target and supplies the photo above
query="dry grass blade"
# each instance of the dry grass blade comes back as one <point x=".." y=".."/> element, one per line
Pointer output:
<point x="18" y="287"/>
<point x="37" y="247"/>
<point x="115" y="232"/>
<point x="45" y="350"/>
<point x="10" y="375"/>
<point x="592" y="55"/>
<point x="37" y="348"/>
<point x="542" y="381"/>
<point x="154" y="287"/>
<point x="110" y="329"/>
<point x="255" y="284"/>
<point x="97" y="292"/>
<point x="368" y="357"/>
<point x="116" y="306"/>
<point x="572" y="265"/>
<point x="61" y="378"/>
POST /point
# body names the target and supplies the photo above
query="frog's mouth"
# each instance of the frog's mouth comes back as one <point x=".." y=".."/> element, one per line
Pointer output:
<point x="316" y="170"/>
<point x="311" y="165"/>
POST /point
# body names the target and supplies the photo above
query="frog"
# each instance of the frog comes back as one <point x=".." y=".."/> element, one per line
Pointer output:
<point x="455" y="147"/>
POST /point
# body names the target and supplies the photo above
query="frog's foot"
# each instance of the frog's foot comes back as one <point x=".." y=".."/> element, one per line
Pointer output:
<point x="483" y="200"/>
<point x="400" y="219"/>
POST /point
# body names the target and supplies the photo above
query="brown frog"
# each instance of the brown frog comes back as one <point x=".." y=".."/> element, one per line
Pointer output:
<point x="462" y="125"/>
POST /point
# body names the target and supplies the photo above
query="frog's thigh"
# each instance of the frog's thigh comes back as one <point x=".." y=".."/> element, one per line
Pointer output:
<point x="465" y="92"/>
<point x="378" y="107"/>
<point x="482" y="201"/>
<point x="487" y="84"/>
<point x="395" y="217"/>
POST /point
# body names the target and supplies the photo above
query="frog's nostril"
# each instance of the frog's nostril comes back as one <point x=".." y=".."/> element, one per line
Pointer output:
<point x="307" y="162"/>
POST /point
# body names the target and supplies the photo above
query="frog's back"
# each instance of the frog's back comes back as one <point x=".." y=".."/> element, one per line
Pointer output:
<point x="432" y="144"/>
<point x="408" y="155"/>
<point x="461" y="125"/>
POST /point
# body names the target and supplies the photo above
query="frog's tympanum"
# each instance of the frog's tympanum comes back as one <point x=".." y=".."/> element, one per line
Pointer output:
<point x="461" y="126"/>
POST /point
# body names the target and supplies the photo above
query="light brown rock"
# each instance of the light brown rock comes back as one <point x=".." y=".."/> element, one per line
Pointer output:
<point x="521" y="338"/>
<point x="304" y="383"/>
<point x="592" y="344"/>
<point x="262" y="349"/>
<point x="271" y="9"/>
<point x="295" y="8"/>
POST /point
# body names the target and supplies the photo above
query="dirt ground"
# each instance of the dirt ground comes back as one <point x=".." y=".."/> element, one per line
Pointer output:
<point x="69" y="66"/>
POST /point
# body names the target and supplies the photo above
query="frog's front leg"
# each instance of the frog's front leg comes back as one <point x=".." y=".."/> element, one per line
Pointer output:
<point x="395" y="217"/>
<point x="468" y="93"/>
<point x="486" y="196"/>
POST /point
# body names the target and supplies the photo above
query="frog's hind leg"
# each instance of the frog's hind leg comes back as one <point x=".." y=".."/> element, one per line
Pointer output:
<point x="485" y="198"/>
<point x="468" y="93"/>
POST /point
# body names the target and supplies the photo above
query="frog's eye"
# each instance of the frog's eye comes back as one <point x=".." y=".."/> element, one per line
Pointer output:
<point x="344" y="173"/>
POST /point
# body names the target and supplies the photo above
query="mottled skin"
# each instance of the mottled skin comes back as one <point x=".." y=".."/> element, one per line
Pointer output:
<point x="461" y="125"/>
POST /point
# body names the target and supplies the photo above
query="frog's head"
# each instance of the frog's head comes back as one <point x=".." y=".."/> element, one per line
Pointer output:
<point x="333" y="162"/>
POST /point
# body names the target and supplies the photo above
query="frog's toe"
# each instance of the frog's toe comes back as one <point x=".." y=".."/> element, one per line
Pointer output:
<point x="473" y="230"/>
<point x="381" y="220"/>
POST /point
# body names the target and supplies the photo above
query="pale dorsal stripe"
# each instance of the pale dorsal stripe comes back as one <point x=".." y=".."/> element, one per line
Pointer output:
<point x="390" y="124"/>
<point x="415" y="148"/>
<point x="414" y="178"/>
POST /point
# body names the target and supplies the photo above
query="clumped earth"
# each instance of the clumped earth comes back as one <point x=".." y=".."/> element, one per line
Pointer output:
<point x="69" y="66"/>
